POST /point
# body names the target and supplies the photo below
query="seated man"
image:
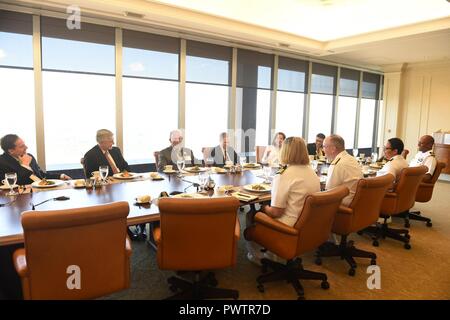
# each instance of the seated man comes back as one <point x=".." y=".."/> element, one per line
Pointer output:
<point x="16" y="159"/>
<point x="344" y="169"/>
<point x="316" y="148"/>
<point x="395" y="162"/>
<point x="175" y="152"/>
<point x="425" y="156"/>
<point x="223" y="152"/>
<point x="104" y="154"/>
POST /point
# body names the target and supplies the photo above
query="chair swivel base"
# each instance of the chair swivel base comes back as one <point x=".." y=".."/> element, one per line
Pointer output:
<point x="415" y="215"/>
<point x="381" y="230"/>
<point x="347" y="251"/>
<point x="199" y="289"/>
<point x="291" y="272"/>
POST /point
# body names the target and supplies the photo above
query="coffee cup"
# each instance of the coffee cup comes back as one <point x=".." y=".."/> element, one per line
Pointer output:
<point x="168" y="168"/>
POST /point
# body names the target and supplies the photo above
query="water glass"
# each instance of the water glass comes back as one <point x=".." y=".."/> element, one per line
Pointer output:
<point x="11" y="179"/>
<point x="355" y="152"/>
<point x="209" y="161"/>
<point x="267" y="170"/>
<point x="242" y="160"/>
<point x="103" y="170"/>
<point x="374" y="157"/>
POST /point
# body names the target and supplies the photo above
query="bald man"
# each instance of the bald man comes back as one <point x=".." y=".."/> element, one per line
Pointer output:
<point x="425" y="156"/>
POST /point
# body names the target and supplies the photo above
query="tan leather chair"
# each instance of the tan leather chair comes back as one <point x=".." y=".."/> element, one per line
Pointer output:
<point x="195" y="235"/>
<point x="59" y="242"/>
<point x="397" y="202"/>
<point x="364" y="210"/>
<point x="312" y="228"/>
<point x="424" y="194"/>
<point x="259" y="153"/>
<point x="405" y="153"/>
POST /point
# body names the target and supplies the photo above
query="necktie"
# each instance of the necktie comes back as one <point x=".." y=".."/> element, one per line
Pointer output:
<point x="225" y="155"/>
<point x="111" y="162"/>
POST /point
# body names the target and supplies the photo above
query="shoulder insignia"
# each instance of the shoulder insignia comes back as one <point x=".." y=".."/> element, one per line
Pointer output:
<point x="282" y="169"/>
<point x="337" y="161"/>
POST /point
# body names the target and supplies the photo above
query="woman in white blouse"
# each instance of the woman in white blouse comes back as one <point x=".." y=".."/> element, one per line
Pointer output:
<point x="272" y="153"/>
<point x="289" y="188"/>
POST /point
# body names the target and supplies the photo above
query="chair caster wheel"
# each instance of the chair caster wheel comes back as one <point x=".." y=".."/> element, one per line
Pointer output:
<point x="373" y="262"/>
<point x="260" y="288"/>
<point x="407" y="225"/>
<point x="429" y="224"/>
<point x="351" y="272"/>
<point x="375" y="243"/>
<point x="407" y="246"/>
<point x="173" y="288"/>
<point x="325" y="285"/>
<point x="318" y="261"/>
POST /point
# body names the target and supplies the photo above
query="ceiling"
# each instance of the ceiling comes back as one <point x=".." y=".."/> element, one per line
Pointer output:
<point x="367" y="33"/>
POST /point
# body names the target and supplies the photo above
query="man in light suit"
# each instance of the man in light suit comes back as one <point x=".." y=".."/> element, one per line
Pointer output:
<point x="224" y="152"/>
<point x="104" y="154"/>
<point x="16" y="159"/>
<point x="176" y="151"/>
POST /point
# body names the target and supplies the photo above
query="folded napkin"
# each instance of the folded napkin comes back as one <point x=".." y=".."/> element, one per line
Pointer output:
<point x="244" y="196"/>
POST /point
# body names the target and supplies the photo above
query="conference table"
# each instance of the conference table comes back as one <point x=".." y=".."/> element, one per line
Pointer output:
<point x="11" y="231"/>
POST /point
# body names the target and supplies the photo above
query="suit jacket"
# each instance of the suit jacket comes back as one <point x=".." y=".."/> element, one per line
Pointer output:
<point x="312" y="149"/>
<point x="9" y="164"/>
<point x="165" y="158"/>
<point x="95" y="158"/>
<point x="218" y="156"/>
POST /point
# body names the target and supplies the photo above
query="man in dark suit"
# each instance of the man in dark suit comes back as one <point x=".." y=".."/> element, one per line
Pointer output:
<point x="16" y="159"/>
<point x="176" y="151"/>
<point x="223" y="152"/>
<point x="316" y="148"/>
<point x="104" y="154"/>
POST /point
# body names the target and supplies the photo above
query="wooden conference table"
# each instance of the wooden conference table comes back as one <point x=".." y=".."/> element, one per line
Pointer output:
<point x="11" y="231"/>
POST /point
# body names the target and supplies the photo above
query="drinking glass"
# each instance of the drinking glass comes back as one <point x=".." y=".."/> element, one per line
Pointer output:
<point x="202" y="178"/>
<point x="180" y="166"/>
<point x="242" y="160"/>
<point x="103" y="171"/>
<point x="11" y="179"/>
<point x="355" y="152"/>
<point x="209" y="162"/>
<point x="374" y="157"/>
<point x="267" y="170"/>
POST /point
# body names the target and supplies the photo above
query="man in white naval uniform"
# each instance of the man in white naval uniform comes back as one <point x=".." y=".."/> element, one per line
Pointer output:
<point x="395" y="162"/>
<point x="425" y="156"/>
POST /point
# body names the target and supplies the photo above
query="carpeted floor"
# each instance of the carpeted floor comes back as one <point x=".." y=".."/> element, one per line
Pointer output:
<point x="420" y="273"/>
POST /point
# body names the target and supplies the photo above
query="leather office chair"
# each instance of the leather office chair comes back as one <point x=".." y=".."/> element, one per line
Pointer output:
<point x="364" y="210"/>
<point x="92" y="239"/>
<point x="195" y="235"/>
<point x="424" y="194"/>
<point x="405" y="153"/>
<point x="312" y="228"/>
<point x="259" y="153"/>
<point x="397" y="202"/>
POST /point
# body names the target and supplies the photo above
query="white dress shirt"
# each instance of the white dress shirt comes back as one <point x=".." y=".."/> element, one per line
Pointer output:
<point x="394" y="167"/>
<point x="289" y="191"/>
<point x="273" y="158"/>
<point x="425" y="159"/>
<point x="344" y="171"/>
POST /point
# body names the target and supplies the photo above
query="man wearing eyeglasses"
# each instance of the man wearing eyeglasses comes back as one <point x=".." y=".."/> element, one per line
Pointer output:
<point x="16" y="159"/>
<point x="395" y="161"/>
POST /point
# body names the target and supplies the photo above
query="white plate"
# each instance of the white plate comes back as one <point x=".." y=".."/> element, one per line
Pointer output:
<point x="169" y="171"/>
<point x="200" y="169"/>
<point x="251" y="165"/>
<point x="249" y="187"/>
<point x="6" y="187"/>
<point x="119" y="176"/>
<point x="55" y="184"/>
<point x="189" y="196"/>
<point x="218" y="170"/>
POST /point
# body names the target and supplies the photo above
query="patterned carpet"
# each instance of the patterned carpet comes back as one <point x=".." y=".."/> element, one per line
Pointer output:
<point x="420" y="273"/>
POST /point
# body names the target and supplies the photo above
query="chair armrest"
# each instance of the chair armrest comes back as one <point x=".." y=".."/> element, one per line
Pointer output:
<point x="20" y="262"/>
<point x="157" y="235"/>
<point x="267" y="221"/>
<point x="237" y="229"/>
<point x="345" y="210"/>
<point x="128" y="246"/>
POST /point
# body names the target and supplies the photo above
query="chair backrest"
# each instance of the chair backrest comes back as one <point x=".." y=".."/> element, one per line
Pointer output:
<point x="91" y="239"/>
<point x="317" y="217"/>
<point x="156" y="156"/>
<point x="197" y="234"/>
<point x="425" y="191"/>
<point x="405" y="153"/>
<point x="206" y="152"/>
<point x="84" y="167"/>
<point x="367" y="201"/>
<point x="259" y="153"/>
<point x="407" y="187"/>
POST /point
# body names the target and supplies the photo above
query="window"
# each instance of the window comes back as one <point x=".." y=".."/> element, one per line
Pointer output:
<point x="78" y="89"/>
<point x="370" y="91"/>
<point x="253" y="98"/>
<point x="150" y="93"/>
<point x="207" y="94"/>
<point x="323" y="89"/>
<point x="290" y="96"/>
<point x="17" y="78"/>
<point x="347" y="103"/>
